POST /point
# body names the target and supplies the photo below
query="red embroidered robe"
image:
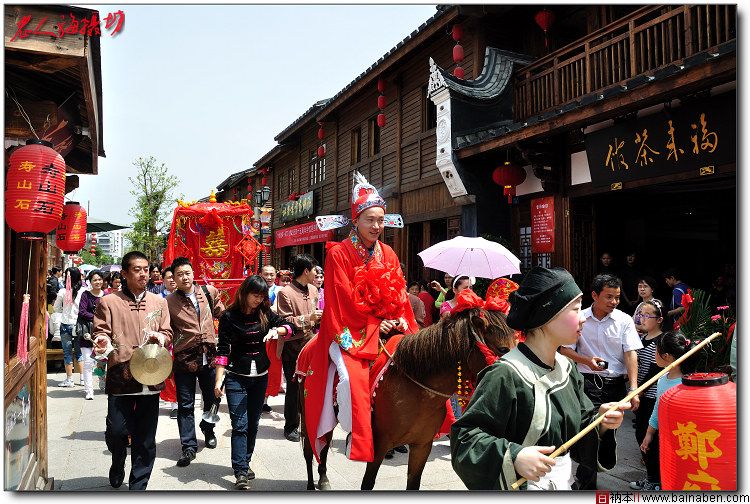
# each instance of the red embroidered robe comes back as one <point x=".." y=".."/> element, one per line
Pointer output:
<point x="360" y="293"/>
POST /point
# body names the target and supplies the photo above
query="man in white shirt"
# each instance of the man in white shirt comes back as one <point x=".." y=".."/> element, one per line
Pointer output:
<point x="268" y="272"/>
<point x="605" y="354"/>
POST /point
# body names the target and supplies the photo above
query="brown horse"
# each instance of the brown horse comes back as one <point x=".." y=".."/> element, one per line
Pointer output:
<point x="410" y="401"/>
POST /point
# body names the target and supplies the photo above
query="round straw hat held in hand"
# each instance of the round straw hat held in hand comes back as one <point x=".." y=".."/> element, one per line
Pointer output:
<point x="150" y="364"/>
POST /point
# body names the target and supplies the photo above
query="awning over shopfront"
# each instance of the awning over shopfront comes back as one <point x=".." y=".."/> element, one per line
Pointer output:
<point x="300" y="235"/>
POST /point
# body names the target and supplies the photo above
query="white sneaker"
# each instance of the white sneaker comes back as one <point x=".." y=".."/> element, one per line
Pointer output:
<point x="67" y="382"/>
<point x="81" y="382"/>
<point x="90" y="396"/>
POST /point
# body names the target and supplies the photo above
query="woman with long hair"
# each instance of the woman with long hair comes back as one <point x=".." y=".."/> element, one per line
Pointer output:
<point x="115" y="282"/>
<point x="85" y="326"/>
<point x="66" y="303"/>
<point x="241" y="357"/>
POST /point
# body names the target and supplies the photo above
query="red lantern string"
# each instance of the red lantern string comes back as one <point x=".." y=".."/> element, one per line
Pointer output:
<point x="381" y="103"/>
<point x="458" y="51"/>
<point x="321" y="136"/>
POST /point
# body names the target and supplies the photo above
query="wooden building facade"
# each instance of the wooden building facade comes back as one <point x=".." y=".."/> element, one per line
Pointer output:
<point x="530" y="97"/>
<point x="628" y="138"/>
<point x="55" y="84"/>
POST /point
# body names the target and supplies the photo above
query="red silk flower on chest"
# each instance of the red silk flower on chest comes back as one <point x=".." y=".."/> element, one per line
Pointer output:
<point x="379" y="290"/>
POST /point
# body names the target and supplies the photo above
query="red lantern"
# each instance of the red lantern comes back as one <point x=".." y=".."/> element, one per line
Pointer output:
<point x="321" y="133"/>
<point x="457" y="32"/>
<point x="34" y="190"/>
<point x="70" y="236"/>
<point x="458" y="53"/>
<point x="264" y="181"/>
<point x="321" y="152"/>
<point x="458" y="72"/>
<point x="93" y="238"/>
<point x="93" y="249"/>
<point x="544" y="19"/>
<point x="381" y="102"/>
<point x="381" y="85"/>
<point x="698" y="434"/>
<point x="509" y="176"/>
<point x="381" y="120"/>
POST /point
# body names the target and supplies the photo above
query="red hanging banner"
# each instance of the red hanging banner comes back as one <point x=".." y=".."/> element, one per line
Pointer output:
<point x="298" y="235"/>
<point x="543" y="225"/>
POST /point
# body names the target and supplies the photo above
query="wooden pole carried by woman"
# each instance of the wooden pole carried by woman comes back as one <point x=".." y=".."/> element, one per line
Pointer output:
<point x="566" y="446"/>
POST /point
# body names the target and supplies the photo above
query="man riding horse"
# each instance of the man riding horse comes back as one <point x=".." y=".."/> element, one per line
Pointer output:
<point x="365" y="301"/>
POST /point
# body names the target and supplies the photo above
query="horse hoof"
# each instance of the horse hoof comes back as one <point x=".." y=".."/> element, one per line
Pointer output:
<point x="311" y="486"/>
<point x="324" y="484"/>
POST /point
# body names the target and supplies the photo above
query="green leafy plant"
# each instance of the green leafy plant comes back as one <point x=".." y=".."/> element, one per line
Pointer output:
<point x="699" y="321"/>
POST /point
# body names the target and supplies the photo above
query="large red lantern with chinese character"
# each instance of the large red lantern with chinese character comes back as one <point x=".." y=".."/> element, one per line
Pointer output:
<point x="70" y="236"/>
<point x="34" y="190"/>
<point x="698" y="434"/>
<point x="509" y="176"/>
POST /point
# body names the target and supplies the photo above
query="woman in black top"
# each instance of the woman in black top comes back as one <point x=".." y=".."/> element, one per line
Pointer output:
<point x="241" y="352"/>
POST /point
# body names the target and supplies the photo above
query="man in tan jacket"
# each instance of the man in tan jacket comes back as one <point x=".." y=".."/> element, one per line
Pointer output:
<point x="192" y="310"/>
<point x="124" y="321"/>
<point x="298" y="303"/>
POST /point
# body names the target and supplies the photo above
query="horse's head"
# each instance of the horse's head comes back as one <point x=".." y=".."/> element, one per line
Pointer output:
<point x="482" y="334"/>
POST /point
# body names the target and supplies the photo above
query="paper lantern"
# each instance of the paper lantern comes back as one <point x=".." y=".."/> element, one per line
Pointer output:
<point x="458" y="53"/>
<point x="92" y="250"/>
<point x="70" y="235"/>
<point x="457" y="32"/>
<point x="698" y="434"/>
<point x="321" y="151"/>
<point x="381" y="85"/>
<point x="544" y="19"/>
<point x="381" y="102"/>
<point x="381" y="120"/>
<point x="509" y="176"/>
<point x="458" y="72"/>
<point x="321" y="133"/>
<point x="34" y="190"/>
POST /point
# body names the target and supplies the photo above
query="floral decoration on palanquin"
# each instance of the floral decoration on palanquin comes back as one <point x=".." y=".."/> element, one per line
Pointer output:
<point x="379" y="290"/>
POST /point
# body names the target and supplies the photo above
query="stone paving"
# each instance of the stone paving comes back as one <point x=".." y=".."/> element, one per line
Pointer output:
<point x="79" y="459"/>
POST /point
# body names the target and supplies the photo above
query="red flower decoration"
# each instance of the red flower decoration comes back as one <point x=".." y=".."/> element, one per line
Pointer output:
<point x="467" y="300"/>
<point x="497" y="304"/>
<point x="379" y="290"/>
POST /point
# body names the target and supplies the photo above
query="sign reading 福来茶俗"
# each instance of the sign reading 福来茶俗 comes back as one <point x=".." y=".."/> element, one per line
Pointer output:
<point x="302" y="207"/>
<point x="696" y="136"/>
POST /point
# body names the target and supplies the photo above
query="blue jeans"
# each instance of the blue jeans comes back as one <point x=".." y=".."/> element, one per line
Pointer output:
<point x="69" y="344"/>
<point x="245" y="396"/>
<point x="184" y="383"/>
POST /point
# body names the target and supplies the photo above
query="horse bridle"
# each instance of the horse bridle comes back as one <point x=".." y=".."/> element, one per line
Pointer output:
<point x="477" y="338"/>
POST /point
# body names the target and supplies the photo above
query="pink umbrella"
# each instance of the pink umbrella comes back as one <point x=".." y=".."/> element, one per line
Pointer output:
<point x="471" y="256"/>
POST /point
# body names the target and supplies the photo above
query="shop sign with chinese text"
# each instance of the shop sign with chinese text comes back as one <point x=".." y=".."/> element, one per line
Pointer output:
<point x="301" y="234"/>
<point x="292" y="210"/>
<point x="697" y="136"/>
<point x="543" y="225"/>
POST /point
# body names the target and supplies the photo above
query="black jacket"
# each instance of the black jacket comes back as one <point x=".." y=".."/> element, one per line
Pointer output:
<point x="241" y="339"/>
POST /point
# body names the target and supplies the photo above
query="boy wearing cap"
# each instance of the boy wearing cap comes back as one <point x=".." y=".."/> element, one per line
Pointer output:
<point x="365" y="300"/>
<point x="531" y="401"/>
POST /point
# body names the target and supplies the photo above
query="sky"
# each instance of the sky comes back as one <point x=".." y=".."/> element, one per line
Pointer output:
<point x="204" y="89"/>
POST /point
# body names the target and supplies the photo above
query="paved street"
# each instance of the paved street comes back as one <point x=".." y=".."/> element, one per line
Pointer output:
<point x="79" y="459"/>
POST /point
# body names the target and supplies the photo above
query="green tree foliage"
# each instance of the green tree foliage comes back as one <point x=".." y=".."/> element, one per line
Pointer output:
<point x="98" y="259"/>
<point x="153" y="188"/>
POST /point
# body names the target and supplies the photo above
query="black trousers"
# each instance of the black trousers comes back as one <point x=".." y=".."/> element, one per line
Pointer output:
<point x="184" y="382"/>
<point x="640" y="423"/>
<point x="599" y="390"/>
<point x="291" y="404"/>
<point x="137" y="415"/>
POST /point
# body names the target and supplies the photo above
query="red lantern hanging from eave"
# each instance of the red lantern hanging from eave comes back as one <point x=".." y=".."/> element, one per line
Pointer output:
<point x="381" y="120"/>
<point x="321" y="152"/>
<point x="34" y="190"/>
<point x="544" y="19"/>
<point x="509" y="176"/>
<point x="70" y="236"/>
<point x="698" y="434"/>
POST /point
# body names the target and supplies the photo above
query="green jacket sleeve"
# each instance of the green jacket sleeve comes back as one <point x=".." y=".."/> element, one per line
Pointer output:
<point x="440" y="299"/>
<point x="481" y="453"/>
